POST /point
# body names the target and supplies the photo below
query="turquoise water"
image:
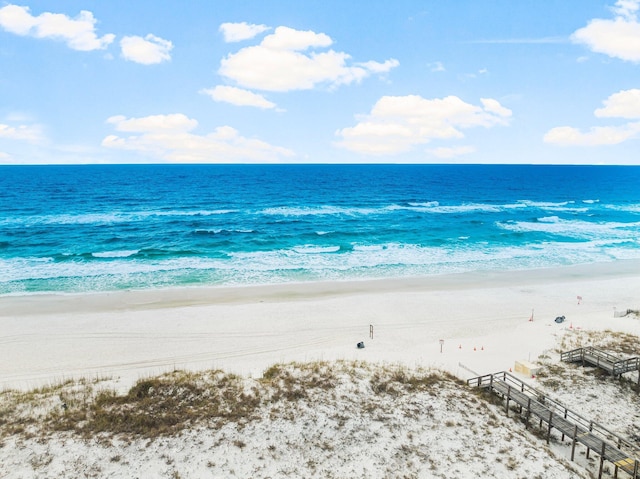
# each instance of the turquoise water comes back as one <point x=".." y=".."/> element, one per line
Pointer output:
<point x="101" y="228"/>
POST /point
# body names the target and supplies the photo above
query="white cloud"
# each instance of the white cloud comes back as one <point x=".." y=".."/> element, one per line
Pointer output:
<point x="176" y="122"/>
<point x="627" y="8"/>
<point x="618" y="38"/>
<point x="290" y="39"/>
<point x="437" y="67"/>
<point x="238" y="96"/>
<point x="148" y="50"/>
<point x="78" y="33"/>
<point x="236" y="32"/>
<point x="596" y="136"/>
<point x="169" y="138"/>
<point x="493" y="106"/>
<point x="624" y="104"/>
<point x="32" y="133"/>
<point x="377" y="67"/>
<point x="279" y="64"/>
<point x="451" y="152"/>
<point x="397" y="124"/>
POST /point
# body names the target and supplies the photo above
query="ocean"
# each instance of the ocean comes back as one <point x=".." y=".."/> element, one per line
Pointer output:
<point x="72" y="229"/>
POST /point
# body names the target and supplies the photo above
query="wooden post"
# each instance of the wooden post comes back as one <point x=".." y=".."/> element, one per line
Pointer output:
<point x="601" y="461"/>
<point x="590" y="429"/>
<point x="615" y="469"/>
<point x="573" y="445"/>
<point x="371" y="331"/>
<point x="528" y="413"/>
<point x="635" y="469"/>
<point x="508" y="399"/>
<point x="565" y="416"/>
<point x="550" y="426"/>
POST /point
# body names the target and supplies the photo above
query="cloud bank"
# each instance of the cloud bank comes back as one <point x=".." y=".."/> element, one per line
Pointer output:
<point x="397" y="124"/>
<point x="147" y="51"/>
<point x="623" y="104"/>
<point x="289" y="59"/>
<point x="78" y="33"/>
<point x="171" y="138"/>
<point x="237" y="32"/>
<point x="285" y="60"/>
<point x="617" y="38"/>
<point x="238" y="96"/>
<point x="31" y="133"/>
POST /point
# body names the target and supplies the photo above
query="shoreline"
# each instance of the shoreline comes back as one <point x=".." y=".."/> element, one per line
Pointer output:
<point x="172" y="297"/>
<point x="482" y="317"/>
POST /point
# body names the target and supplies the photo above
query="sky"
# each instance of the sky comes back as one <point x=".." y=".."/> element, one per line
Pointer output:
<point x="320" y="81"/>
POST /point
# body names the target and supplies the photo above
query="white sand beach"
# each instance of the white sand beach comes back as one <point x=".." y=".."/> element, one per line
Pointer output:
<point x="352" y="429"/>
<point x="483" y="318"/>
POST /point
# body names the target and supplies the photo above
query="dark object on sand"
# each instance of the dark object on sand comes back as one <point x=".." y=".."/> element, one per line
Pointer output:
<point x="360" y="345"/>
<point x="559" y="319"/>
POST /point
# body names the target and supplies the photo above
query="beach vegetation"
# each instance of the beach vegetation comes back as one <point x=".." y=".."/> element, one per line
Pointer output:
<point x="318" y="409"/>
<point x="398" y="379"/>
<point x="167" y="404"/>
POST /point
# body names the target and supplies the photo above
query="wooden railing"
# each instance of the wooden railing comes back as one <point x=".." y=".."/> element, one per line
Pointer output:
<point x="622" y="453"/>
<point x="612" y="364"/>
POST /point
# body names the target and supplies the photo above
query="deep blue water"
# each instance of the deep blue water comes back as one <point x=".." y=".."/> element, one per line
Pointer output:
<point x="98" y="228"/>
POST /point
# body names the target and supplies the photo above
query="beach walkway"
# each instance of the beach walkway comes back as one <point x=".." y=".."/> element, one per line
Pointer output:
<point x="613" y="365"/>
<point x="532" y="402"/>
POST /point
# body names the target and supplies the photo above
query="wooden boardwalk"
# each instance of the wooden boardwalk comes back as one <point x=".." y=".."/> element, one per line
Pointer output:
<point x="603" y="360"/>
<point x="611" y="447"/>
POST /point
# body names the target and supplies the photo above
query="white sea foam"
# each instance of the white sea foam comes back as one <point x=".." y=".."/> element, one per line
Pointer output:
<point x="310" y="249"/>
<point x="631" y="208"/>
<point x="427" y="204"/>
<point x="104" y="218"/>
<point x="190" y="213"/>
<point x="545" y="204"/>
<point x="316" y="211"/>
<point x="573" y="228"/>
<point x="115" y="254"/>
<point x="309" y="261"/>
<point x="222" y="230"/>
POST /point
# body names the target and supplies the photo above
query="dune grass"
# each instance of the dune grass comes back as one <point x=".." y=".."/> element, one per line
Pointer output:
<point x="167" y="404"/>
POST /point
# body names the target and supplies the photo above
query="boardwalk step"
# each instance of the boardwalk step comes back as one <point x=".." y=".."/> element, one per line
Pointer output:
<point x="611" y="447"/>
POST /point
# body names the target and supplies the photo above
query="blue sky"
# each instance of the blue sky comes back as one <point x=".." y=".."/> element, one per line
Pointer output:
<point x="256" y="81"/>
